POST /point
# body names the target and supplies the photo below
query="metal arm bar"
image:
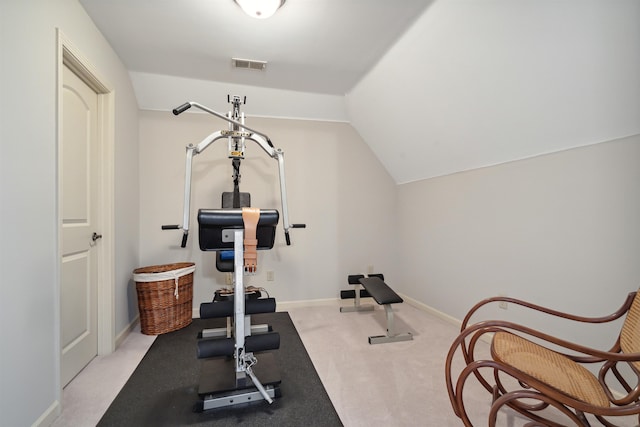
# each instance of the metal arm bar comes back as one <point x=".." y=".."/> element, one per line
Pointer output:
<point x="268" y="148"/>
<point x="259" y="138"/>
<point x="283" y="196"/>
<point x="187" y="195"/>
<point x="190" y="104"/>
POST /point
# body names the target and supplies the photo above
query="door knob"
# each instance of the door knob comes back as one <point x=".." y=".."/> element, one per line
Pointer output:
<point x="96" y="236"/>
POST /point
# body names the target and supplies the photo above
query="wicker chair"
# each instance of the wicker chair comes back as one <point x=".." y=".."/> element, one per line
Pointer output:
<point x="534" y="373"/>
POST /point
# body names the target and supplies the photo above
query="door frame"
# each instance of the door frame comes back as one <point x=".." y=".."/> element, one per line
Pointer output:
<point x="68" y="55"/>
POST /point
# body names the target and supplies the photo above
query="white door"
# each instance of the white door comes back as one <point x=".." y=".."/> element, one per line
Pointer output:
<point x="80" y="216"/>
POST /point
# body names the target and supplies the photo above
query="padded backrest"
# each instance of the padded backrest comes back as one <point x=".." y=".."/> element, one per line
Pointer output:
<point x="630" y="335"/>
<point x="243" y="199"/>
<point x="215" y="224"/>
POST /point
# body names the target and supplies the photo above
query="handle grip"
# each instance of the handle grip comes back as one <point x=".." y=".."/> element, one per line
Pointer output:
<point x="177" y="227"/>
<point x="181" y="109"/>
<point x="286" y="232"/>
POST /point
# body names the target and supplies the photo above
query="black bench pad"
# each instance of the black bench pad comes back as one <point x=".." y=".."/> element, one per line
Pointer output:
<point x="354" y="279"/>
<point x="380" y="291"/>
<point x="348" y="294"/>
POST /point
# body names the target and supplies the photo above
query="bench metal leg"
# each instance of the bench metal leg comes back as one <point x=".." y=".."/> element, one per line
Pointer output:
<point x="391" y="336"/>
<point x="356" y="303"/>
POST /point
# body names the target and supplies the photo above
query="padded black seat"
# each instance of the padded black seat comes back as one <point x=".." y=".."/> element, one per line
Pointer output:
<point x="380" y="291"/>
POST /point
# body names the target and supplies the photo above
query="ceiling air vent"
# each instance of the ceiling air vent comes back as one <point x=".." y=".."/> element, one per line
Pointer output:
<point x="249" y="64"/>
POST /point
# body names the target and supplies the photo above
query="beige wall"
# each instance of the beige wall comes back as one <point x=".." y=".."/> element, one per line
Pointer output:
<point x="478" y="83"/>
<point x="30" y="389"/>
<point x="334" y="183"/>
<point x="561" y="230"/>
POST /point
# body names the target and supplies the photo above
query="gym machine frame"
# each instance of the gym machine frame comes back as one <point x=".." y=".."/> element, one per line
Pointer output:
<point x="237" y="134"/>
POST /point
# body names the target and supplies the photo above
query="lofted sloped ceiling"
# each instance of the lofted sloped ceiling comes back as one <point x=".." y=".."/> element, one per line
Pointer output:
<point x="482" y="82"/>
<point x="317" y="46"/>
<point x="434" y="87"/>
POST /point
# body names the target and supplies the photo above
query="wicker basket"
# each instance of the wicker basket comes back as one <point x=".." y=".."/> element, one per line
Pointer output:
<point x="165" y="294"/>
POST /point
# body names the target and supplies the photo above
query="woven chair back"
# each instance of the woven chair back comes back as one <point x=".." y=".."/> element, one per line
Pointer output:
<point x="630" y="335"/>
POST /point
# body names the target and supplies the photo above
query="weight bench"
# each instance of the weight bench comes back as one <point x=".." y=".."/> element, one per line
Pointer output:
<point x="375" y="287"/>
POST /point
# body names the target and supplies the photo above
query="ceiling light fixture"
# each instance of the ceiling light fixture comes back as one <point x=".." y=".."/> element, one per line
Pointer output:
<point x="261" y="9"/>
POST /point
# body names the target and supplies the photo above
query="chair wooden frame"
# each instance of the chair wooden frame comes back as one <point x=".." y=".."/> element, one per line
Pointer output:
<point x="534" y="396"/>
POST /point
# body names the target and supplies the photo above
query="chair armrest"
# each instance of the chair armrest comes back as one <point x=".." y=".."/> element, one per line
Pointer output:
<point x="586" y="354"/>
<point x="585" y="319"/>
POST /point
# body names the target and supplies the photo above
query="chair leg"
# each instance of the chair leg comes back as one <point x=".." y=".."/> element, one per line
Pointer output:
<point x="582" y="418"/>
<point x="495" y="393"/>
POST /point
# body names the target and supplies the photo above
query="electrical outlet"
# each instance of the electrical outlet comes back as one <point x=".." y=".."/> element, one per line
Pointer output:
<point x="370" y="269"/>
<point x="270" y="276"/>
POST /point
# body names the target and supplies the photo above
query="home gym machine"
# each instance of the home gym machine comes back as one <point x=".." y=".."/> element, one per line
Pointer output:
<point x="235" y="232"/>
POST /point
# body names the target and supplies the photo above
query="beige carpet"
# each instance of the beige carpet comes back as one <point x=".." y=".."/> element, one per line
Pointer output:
<point x="392" y="385"/>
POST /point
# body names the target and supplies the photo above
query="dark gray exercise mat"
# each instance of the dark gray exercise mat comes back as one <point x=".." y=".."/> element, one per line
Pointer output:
<point x="162" y="390"/>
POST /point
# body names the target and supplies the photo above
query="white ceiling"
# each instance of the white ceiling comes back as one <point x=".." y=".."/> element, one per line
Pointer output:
<point x="321" y="46"/>
<point x="434" y="87"/>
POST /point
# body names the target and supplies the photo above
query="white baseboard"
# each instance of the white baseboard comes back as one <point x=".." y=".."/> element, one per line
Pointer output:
<point x="49" y="416"/>
<point x="126" y="331"/>
<point x="287" y="305"/>
<point x="428" y="309"/>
